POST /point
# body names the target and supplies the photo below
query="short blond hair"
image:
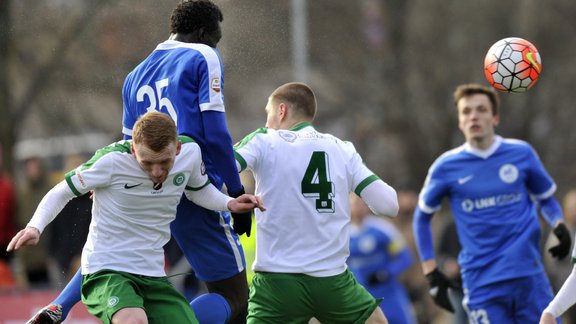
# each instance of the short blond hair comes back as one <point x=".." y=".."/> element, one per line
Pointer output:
<point x="154" y="130"/>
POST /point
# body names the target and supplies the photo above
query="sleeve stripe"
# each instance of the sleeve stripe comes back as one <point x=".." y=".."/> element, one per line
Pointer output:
<point x="547" y="193"/>
<point x="126" y="131"/>
<point x="240" y="160"/>
<point x="427" y="209"/>
<point x="365" y="183"/>
<point x="199" y="188"/>
<point x="72" y="187"/>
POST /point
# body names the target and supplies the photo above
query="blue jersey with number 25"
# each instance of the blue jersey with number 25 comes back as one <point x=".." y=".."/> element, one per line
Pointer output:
<point x="181" y="80"/>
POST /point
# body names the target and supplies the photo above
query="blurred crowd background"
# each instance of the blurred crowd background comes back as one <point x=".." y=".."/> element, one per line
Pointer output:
<point x="383" y="72"/>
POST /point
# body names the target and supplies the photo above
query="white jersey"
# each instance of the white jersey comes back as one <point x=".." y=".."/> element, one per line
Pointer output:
<point x="130" y="215"/>
<point x="307" y="232"/>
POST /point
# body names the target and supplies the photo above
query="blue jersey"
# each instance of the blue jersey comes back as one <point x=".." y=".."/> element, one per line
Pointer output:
<point x="492" y="196"/>
<point x="376" y="246"/>
<point x="185" y="81"/>
<point x="182" y="80"/>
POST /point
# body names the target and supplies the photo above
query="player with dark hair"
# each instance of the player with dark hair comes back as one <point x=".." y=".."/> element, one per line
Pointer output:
<point x="136" y="187"/>
<point x="183" y="77"/>
<point x="495" y="187"/>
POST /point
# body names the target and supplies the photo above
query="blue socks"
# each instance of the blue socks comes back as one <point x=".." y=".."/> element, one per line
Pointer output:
<point x="70" y="295"/>
<point x="211" y="308"/>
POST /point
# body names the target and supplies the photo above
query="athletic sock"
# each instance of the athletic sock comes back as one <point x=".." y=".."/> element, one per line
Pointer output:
<point x="70" y="295"/>
<point x="211" y="308"/>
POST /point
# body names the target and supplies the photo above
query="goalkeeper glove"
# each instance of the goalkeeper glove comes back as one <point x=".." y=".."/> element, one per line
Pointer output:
<point x="439" y="285"/>
<point x="561" y="250"/>
<point x="242" y="221"/>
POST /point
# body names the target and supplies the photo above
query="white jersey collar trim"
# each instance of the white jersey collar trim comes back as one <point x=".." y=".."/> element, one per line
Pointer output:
<point x="170" y="44"/>
<point x="487" y="152"/>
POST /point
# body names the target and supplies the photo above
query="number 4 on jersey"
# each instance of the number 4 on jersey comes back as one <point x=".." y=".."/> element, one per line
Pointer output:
<point x="316" y="182"/>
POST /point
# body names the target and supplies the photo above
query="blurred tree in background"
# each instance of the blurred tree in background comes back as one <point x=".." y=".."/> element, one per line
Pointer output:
<point x="383" y="70"/>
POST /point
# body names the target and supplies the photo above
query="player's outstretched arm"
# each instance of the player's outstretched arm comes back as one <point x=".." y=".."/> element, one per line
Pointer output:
<point x="27" y="236"/>
<point x="245" y="204"/>
<point x="547" y="318"/>
<point x="210" y="197"/>
<point x="381" y="198"/>
<point x="564" y="299"/>
<point x="219" y="149"/>
<point x="50" y="206"/>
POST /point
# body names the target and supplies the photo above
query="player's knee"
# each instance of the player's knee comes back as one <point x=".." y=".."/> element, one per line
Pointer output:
<point x="235" y="290"/>
<point x="377" y="317"/>
<point x="132" y="315"/>
<point x="211" y="308"/>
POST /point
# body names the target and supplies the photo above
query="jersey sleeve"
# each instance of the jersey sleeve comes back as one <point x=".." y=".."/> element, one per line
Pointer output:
<point x="198" y="178"/>
<point x="249" y="150"/>
<point x="360" y="174"/>
<point x="539" y="182"/>
<point x="211" y="81"/>
<point x="128" y="117"/>
<point x="90" y="175"/>
<point x="380" y="197"/>
<point x="434" y="189"/>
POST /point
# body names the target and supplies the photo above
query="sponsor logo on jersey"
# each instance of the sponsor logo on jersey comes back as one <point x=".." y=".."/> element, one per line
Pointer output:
<point x="469" y="205"/>
<point x="112" y="301"/>
<point x="179" y="179"/>
<point x="215" y="84"/>
<point x="202" y="168"/>
<point x="157" y="186"/>
<point x="508" y="173"/>
<point x="463" y="180"/>
<point x="127" y="186"/>
<point x="287" y="136"/>
<point x="80" y="178"/>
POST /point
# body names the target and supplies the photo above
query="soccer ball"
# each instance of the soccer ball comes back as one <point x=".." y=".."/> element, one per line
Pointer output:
<point x="512" y="65"/>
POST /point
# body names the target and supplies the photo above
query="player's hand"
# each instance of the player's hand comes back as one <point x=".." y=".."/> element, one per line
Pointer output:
<point x="377" y="277"/>
<point x="439" y="285"/>
<point x="241" y="209"/>
<point x="245" y="204"/>
<point x="547" y="318"/>
<point x="561" y="250"/>
<point x="27" y="236"/>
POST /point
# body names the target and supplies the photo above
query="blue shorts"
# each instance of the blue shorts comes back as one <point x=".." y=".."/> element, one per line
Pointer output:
<point x="519" y="300"/>
<point x="208" y="242"/>
<point x="395" y="303"/>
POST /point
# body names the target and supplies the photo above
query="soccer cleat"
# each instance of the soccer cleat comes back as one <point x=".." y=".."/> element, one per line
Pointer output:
<point x="51" y="314"/>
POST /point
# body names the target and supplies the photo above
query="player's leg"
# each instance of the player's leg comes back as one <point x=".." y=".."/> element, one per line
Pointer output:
<point x="105" y="293"/>
<point x="489" y="304"/>
<point x="235" y="291"/>
<point x="59" y="308"/>
<point x="164" y="304"/>
<point x="279" y="298"/>
<point x="130" y="315"/>
<point x="214" y="252"/>
<point x="377" y="317"/>
<point x="395" y="303"/>
<point x="340" y="299"/>
<point x="534" y="293"/>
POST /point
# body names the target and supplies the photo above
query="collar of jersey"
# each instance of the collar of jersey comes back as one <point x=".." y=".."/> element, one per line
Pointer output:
<point x="301" y="125"/>
<point x="487" y="152"/>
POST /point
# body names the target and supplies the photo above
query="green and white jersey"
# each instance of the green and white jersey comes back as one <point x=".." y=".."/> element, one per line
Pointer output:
<point x="130" y="215"/>
<point x="304" y="178"/>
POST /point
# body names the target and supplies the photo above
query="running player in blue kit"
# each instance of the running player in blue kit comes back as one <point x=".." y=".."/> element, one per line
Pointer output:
<point x="495" y="187"/>
<point x="183" y="77"/>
